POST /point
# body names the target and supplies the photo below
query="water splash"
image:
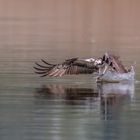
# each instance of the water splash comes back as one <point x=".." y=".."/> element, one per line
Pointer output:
<point x="118" y="77"/>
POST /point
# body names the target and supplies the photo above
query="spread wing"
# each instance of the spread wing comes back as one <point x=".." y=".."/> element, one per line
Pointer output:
<point x="70" y="66"/>
<point x="114" y="62"/>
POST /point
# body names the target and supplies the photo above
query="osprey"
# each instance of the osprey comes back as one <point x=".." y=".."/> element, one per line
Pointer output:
<point x="108" y="68"/>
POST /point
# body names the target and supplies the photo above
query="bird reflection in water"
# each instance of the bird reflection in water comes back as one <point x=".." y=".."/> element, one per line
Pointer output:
<point x="111" y="97"/>
<point x="71" y="95"/>
<point x="108" y="99"/>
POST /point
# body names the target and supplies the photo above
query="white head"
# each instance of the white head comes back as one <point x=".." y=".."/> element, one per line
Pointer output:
<point x="98" y="61"/>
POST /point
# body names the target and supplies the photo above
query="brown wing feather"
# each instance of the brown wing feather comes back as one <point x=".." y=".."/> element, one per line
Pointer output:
<point x="114" y="62"/>
<point x="118" y="65"/>
<point x="70" y="66"/>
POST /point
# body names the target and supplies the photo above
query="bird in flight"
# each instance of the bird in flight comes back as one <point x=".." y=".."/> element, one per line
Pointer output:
<point x="81" y="66"/>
